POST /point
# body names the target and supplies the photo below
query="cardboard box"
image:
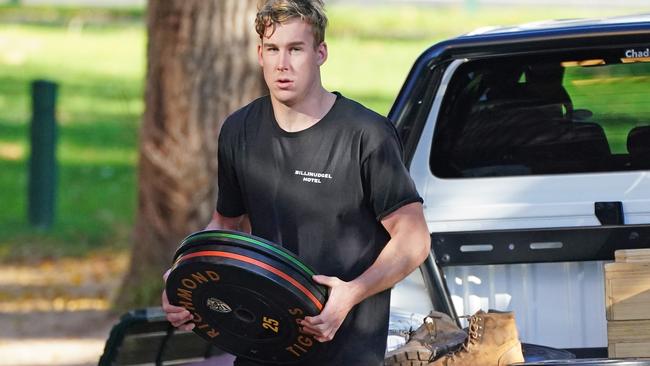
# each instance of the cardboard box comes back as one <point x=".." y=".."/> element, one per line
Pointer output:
<point x="628" y="338"/>
<point x="632" y="255"/>
<point x="627" y="291"/>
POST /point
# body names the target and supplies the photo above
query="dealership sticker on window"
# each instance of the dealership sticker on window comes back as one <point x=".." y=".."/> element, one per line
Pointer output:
<point x="637" y="53"/>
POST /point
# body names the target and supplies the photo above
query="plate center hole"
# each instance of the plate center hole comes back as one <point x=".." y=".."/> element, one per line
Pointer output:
<point x="244" y="315"/>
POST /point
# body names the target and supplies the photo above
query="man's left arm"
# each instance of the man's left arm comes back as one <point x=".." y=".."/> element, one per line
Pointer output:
<point x="407" y="248"/>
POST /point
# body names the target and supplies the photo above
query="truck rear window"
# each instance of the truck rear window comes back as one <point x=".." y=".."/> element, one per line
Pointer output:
<point x="553" y="114"/>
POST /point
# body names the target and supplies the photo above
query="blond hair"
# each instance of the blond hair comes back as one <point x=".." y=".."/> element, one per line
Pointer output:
<point x="274" y="12"/>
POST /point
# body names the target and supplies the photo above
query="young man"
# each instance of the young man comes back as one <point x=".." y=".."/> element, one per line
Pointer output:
<point x="323" y="176"/>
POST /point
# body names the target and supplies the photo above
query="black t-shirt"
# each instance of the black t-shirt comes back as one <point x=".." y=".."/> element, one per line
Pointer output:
<point x="321" y="193"/>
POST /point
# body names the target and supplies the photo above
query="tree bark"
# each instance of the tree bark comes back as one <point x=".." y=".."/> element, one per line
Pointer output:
<point x="202" y="65"/>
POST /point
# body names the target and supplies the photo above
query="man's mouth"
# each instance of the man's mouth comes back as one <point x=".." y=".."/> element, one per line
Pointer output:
<point x="284" y="83"/>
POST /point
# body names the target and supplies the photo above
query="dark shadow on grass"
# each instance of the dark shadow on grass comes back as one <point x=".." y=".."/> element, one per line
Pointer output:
<point x="95" y="205"/>
<point x="104" y="132"/>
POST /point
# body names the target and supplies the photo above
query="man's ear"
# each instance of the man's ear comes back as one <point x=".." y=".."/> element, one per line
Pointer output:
<point x="322" y="53"/>
<point x="260" y="60"/>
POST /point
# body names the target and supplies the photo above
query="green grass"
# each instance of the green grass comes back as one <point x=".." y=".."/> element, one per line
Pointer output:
<point x="429" y="22"/>
<point x="616" y="97"/>
<point x="100" y="69"/>
<point x="61" y="15"/>
<point x="99" y="72"/>
<point x="370" y="71"/>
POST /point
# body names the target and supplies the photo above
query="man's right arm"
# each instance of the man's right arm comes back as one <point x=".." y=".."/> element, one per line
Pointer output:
<point x="220" y="222"/>
<point x="179" y="316"/>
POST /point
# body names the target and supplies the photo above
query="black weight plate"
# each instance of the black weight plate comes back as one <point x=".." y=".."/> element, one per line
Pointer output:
<point x="246" y="241"/>
<point x="244" y="306"/>
<point x="276" y="271"/>
<point x="590" y="362"/>
<point x="317" y="290"/>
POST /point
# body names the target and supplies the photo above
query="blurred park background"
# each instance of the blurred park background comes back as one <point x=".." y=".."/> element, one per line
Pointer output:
<point x="57" y="283"/>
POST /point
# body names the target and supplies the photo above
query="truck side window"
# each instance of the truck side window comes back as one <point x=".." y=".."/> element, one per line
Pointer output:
<point x="562" y="114"/>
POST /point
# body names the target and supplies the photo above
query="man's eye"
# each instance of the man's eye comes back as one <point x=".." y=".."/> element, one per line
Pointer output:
<point x="295" y="49"/>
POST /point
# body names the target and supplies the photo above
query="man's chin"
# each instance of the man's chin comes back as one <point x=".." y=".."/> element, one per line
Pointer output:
<point x="285" y="97"/>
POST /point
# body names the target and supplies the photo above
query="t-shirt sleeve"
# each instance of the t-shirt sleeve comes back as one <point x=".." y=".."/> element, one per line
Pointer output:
<point x="230" y="201"/>
<point x="386" y="180"/>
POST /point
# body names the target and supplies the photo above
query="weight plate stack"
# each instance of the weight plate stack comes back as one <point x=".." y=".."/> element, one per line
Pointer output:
<point x="246" y="295"/>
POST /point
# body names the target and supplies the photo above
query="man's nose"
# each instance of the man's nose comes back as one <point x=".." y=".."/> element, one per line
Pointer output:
<point x="283" y="59"/>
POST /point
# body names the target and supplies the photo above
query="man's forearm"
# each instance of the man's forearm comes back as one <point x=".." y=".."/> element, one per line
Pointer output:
<point x="401" y="256"/>
<point x="407" y="248"/>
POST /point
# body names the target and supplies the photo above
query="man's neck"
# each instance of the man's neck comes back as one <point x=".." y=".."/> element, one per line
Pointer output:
<point x="305" y="113"/>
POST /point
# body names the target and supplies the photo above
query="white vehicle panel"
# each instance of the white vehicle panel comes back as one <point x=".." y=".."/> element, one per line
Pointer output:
<point x="556" y="304"/>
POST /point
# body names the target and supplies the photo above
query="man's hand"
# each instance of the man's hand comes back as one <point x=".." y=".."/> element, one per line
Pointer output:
<point x="341" y="300"/>
<point x="178" y="316"/>
<point x="407" y="248"/>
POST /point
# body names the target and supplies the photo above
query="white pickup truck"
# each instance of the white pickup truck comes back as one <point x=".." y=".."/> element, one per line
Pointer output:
<point x="531" y="148"/>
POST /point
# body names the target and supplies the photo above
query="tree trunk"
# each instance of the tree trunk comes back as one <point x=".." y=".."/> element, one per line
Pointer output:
<point x="202" y="66"/>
